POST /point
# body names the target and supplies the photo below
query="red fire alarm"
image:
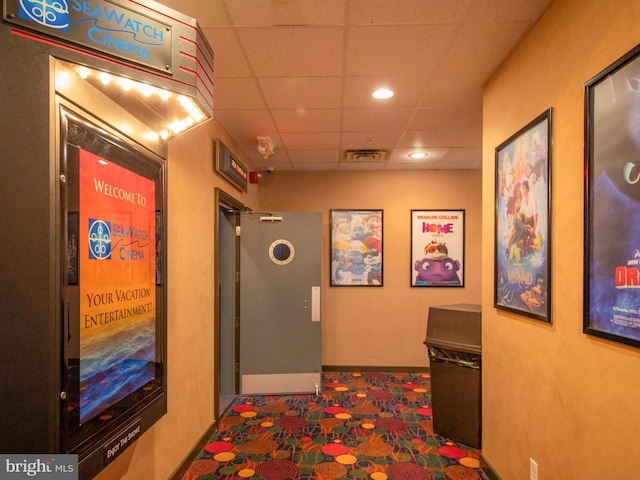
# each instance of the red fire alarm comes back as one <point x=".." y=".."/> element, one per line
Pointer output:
<point x="253" y="177"/>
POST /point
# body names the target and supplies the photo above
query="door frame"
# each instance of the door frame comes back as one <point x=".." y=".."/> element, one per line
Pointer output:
<point x="224" y="200"/>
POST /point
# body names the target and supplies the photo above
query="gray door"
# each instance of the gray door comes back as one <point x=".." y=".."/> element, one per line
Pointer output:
<point x="280" y="336"/>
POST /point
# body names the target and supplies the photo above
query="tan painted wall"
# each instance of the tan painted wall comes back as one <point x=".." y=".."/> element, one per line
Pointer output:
<point x="550" y="392"/>
<point x="191" y="307"/>
<point x="374" y="326"/>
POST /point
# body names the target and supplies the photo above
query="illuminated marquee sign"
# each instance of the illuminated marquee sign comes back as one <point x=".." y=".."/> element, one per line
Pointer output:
<point x="99" y="25"/>
<point x="229" y="166"/>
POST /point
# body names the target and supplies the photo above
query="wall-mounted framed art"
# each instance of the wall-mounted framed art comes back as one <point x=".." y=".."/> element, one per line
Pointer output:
<point x="437" y="248"/>
<point x="356" y="247"/>
<point x="612" y="202"/>
<point x="523" y="220"/>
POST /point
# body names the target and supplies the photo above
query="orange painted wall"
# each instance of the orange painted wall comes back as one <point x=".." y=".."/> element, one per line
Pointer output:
<point x="382" y="326"/>
<point x="550" y="392"/>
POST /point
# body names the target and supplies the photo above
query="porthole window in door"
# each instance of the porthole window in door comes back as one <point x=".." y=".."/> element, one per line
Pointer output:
<point x="281" y="252"/>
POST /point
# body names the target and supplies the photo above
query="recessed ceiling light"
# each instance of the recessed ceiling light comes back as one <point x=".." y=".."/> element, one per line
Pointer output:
<point x="417" y="155"/>
<point x="382" y="93"/>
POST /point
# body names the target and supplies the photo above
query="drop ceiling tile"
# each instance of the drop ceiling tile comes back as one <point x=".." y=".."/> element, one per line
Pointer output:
<point x="470" y="157"/>
<point x="302" y="92"/>
<point x="316" y="166"/>
<point x="375" y="120"/>
<point x="228" y="58"/>
<point x="290" y="121"/>
<point x="303" y="141"/>
<point x="286" y="13"/>
<point x="370" y="140"/>
<point x="407" y="90"/>
<point x="445" y="118"/>
<point x="364" y="166"/>
<point x="236" y="94"/>
<point x="440" y="138"/>
<point x="245" y="121"/>
<point x="208" y="13"/>
<point x="306" y="51"/>
<point x="365" y="12"/>
<point x="314" y="156"/>
<point x="482" y="47"/>
<point x="492" y="11"/>
<point x="396" y="50"/>
<point x="454" y="90"/>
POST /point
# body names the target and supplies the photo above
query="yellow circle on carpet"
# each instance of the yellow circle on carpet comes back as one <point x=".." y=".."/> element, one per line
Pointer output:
<point x="361" y="395"/>
<point x="420" y="390"/>
<point x="470" y="462"/>
<point x="266" y="424"/>
<point x="346" y="459"/>
<point x="246" y="473"/>
<point x="379" y="476"/>
<point x="343" y="416"/>
<point x="248" y="414"/>
<point x="224" y="456"/>
<point x="368" y="426"/>
<point x="341" y="389"/>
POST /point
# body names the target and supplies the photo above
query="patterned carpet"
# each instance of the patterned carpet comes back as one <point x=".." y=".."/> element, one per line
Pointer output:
<point x="363" y="426"/>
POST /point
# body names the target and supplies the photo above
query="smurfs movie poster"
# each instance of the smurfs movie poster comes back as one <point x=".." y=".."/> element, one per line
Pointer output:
<point x="356" y="248"/>
<point x="437" y="248"/>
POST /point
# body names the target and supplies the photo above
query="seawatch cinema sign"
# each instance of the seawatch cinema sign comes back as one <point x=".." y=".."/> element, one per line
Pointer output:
<point x="99" y="25"/>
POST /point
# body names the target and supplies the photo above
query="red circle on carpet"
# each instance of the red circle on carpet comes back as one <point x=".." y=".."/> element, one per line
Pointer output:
<point x="243" y="408"/>
<point x="450" y="451"/>
<point x="334" y="410"/>
<point x="334" y="449"/>
<point x="425" y="412"/>
<point x="218" y="447"/>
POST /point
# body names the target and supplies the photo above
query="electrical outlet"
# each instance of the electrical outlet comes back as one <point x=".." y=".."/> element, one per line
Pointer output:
<point x="533" y="469"/>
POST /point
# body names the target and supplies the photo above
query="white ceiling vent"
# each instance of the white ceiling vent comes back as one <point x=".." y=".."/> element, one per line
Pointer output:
<point x="365" y="155"/>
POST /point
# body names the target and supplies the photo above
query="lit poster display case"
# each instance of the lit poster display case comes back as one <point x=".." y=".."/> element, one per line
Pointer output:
<point x="112" y="292"/>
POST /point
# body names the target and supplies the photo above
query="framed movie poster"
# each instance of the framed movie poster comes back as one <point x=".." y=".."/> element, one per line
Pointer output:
<point x="437" y="248"/>
<point x="612" y="197"/>
<point x="522" y="221"/>
<point x="356" y="248"/>
<point x="114" y="324"/>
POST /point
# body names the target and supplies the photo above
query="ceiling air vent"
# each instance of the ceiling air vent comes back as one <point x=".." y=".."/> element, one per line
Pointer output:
<point x="365" y="155"/>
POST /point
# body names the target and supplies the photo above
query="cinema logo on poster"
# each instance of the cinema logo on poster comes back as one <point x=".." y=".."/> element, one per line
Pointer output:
<point x="50" y="467"/>
<point x="99" y="239"/>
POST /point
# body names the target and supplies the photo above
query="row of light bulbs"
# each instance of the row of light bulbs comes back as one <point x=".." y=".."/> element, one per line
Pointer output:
<point x="194" y="114"/>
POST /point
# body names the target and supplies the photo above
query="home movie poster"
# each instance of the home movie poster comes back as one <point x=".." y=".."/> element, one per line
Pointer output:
<point x="117" y="288"/>
<point x="614" y="210"/>
<point x="437" y="248"/>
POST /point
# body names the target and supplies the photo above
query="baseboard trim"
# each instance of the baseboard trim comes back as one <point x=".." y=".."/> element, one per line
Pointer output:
<point x="372" y="368"/>
<point x="488" y="469"/>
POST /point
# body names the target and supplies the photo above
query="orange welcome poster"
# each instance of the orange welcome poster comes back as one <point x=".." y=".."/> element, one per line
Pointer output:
<point x="117" y="247"/>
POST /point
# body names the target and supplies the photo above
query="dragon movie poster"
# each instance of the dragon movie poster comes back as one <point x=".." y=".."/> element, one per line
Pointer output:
<point x="437" y="248"/>
<point x="522" y="223"/>
<point x="612" y="227"/>
<point x="117" y="268"/>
